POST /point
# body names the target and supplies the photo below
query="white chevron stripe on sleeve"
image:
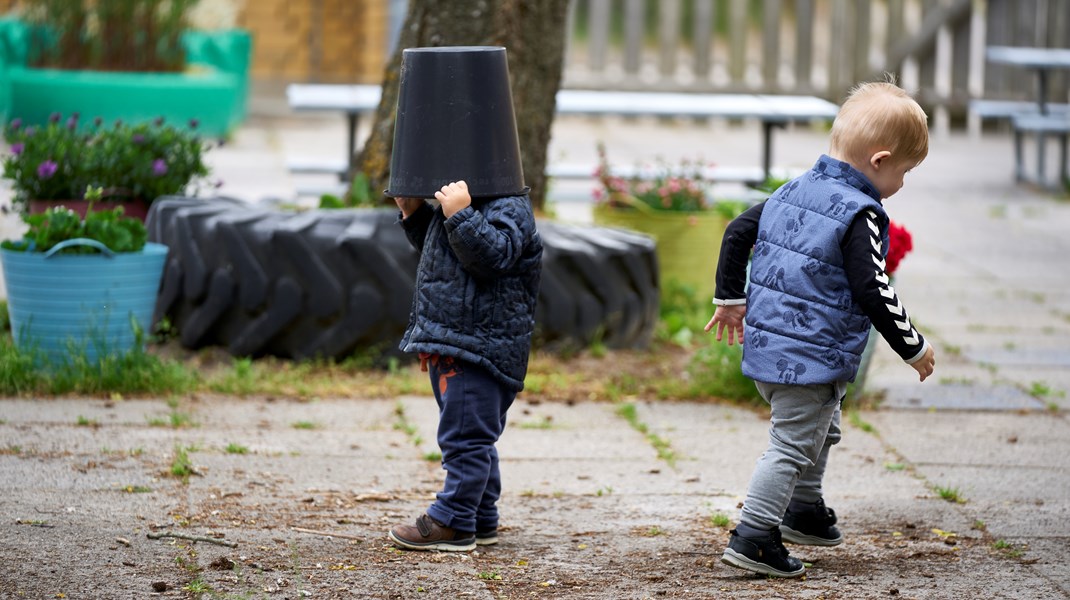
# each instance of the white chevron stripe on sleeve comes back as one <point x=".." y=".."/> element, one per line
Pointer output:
<point x="873" y="227"/>
<point x="887" y="292"/>
<point x="872" y="215"/>
<point x="879" y="262"/>
<point x="896" y="310"/>
<point x="903" y="325"/>
<point x="912" y="339"/>
<point x="882" y="277"/>
<point x="876" y="245"/>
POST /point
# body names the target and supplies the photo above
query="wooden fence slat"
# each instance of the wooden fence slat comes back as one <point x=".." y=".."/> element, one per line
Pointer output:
<point x="737" y="33"/>
<point x="668" y="35"/>
<point x="633" y="35"/>
<point x="703" y="39"/>
<point x="804" y="44"/>
<point x="837" y="55"/>
<point x="771" y="43"/>
<point x="862" y="35"/>
<point x="598" y="33"/>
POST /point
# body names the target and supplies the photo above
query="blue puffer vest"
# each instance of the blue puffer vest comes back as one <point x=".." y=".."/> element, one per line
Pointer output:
<point x="476" y="285"/>
<point x="803" y="326"/>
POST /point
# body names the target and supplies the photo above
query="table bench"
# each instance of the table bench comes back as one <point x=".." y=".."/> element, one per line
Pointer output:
<point x="771" y="110"/>
<point x="1040" y="118"/>
<point x="1040" y="125"/>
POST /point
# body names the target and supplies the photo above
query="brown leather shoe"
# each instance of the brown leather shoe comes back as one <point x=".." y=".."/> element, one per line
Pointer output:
<point x="429" y="534"/>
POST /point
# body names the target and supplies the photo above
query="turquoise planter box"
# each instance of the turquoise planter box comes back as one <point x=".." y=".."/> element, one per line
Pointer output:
<point x="89" y="301"/>
<point x="213" y="90"/>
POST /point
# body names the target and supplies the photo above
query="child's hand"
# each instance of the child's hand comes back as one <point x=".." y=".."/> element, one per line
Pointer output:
<point x="408" y="205"/>
<point x="926" y="364"/>
<point x="453" y="197"/>
<point x="730" y="316"/>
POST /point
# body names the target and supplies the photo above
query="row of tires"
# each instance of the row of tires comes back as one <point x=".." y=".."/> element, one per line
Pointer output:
<point x="327" y="283"/>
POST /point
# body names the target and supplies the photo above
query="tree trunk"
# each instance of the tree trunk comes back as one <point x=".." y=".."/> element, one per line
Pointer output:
<point x="533" y="33"/>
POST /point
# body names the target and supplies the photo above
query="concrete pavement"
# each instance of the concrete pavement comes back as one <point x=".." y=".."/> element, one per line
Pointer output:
<point x="589" y="509"/>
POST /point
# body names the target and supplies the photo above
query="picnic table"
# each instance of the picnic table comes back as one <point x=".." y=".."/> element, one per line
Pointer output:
<point x="1044" y="120"/>
<point x="771" y="110"/>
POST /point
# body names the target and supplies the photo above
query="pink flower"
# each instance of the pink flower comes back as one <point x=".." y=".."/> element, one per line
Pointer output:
<point x="159" y="167"/>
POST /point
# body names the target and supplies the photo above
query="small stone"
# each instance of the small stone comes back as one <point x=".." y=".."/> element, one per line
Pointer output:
<point x="159" y="586"/>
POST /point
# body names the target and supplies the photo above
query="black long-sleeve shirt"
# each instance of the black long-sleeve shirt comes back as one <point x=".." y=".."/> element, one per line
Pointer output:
<point x="862" y="260"/>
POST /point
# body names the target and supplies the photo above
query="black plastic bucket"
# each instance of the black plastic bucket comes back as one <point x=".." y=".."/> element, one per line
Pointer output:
<point x="455" y="121"/>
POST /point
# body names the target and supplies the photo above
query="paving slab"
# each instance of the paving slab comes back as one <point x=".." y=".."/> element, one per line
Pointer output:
<point x="589" y="510"/>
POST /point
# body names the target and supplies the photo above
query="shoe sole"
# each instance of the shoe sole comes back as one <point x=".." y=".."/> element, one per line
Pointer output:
<point x="797" y="537"/>
<point x="487" y="541"/>
<point x="735" y="559"/>
<point x="439" y="546"/>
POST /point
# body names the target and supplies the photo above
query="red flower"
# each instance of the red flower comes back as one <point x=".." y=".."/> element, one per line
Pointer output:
<point x="899" y="244"/>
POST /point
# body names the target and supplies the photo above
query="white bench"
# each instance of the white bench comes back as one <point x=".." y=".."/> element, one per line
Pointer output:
<point x="771" y="110"/>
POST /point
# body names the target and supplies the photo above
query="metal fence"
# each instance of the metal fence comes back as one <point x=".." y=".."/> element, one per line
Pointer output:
<point x="820" y="47"/>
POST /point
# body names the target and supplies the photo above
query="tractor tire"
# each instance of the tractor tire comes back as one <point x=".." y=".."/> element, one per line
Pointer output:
<point x="327" y="283"/>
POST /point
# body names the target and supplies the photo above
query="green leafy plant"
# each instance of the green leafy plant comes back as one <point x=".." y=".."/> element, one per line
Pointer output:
<point x="127" y="161"/>
<point x="359" y="195"/>
<point x="60" y="224"/>
<point x="117" y="35"/>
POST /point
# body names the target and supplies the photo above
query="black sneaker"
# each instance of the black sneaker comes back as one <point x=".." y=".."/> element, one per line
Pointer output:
<point x="810" y="525"/>
<point x="429" y="534"/>
<point x="765" y="554"/>
<point x="487" y="538"/>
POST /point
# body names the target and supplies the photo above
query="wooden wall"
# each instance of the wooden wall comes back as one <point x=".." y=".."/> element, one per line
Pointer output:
<point x="337" y="41"/>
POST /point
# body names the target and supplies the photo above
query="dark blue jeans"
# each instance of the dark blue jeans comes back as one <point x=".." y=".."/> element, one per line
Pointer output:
<point x="471" y="406"/>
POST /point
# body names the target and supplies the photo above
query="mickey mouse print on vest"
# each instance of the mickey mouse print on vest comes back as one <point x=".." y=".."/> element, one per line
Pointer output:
<point x="814" y="266"/>
<point x="818" y="172"/>
<point x="833" y="359"/>
<point x="844" y="298"/>
<point x="790" y="374"/>
<point x="840" y="208"/>
<point x="795" y="225"/>
<point x="757" y="339"/>
<point x="798" y="316"/>
<point x="774" y="278"/>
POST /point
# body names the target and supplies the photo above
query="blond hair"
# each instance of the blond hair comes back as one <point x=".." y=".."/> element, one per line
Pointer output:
<point x="880" y="116"/>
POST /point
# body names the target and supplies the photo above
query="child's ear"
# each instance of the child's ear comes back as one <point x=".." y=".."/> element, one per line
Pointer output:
<point x="878" y="158"/>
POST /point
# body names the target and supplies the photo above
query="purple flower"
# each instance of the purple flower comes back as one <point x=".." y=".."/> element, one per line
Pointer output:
<point x="193" y="123"/>
<point x="159" y="167"/>
<point x="30" y="131"/>
<point x="138" y="139"/>
<point x="47" y="169"/>
<point x="72" y="122"/>
<point x="17" y="148"/>
<point x="15" y="123"/>
<point x="54" y="117"/>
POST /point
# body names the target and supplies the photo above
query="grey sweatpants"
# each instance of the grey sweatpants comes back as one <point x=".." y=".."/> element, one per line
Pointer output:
<point x="805" y="423"/>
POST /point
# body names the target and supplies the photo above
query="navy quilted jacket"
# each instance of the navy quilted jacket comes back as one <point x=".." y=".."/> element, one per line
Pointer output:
<point x="476" y="284"/>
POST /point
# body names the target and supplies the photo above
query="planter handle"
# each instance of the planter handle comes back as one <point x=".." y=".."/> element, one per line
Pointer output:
<point x="106" y="251"/>
<point x="632" y="201"/>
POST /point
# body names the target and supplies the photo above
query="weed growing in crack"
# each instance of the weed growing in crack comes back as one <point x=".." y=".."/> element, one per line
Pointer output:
<point x="950" y="494"/>
<point x="181" y="466"/>
<point x="720" y="519"/>
<point x="856" y="419"/>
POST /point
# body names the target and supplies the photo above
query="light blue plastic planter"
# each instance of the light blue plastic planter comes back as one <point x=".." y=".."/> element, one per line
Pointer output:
<point x="59" y="302"/>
